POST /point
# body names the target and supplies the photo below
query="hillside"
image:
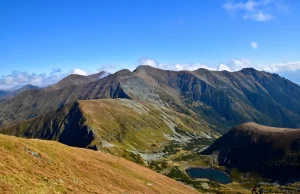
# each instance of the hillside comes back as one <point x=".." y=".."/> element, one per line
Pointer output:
<point x="137" y="131"/>
<point x="4" y="95"/>
<point x="223" y="99"/>
<point x="38" y="166"/>
<point x="229" y="98"/>
<point x="272" y="152"/>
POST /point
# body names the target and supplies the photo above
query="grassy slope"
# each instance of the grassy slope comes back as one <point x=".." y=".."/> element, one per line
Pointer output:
<point x="63" y="169"/>
<point x="138" y="126"/>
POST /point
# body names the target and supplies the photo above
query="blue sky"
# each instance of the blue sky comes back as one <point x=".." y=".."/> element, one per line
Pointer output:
<point x="43" y="41"/>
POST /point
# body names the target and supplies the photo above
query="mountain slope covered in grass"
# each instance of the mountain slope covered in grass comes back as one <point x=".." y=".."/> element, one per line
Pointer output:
<point x="135" y="130"/>
<point x="37" y="166"/>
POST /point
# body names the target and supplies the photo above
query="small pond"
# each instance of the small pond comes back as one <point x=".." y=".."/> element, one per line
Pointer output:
<point x="209" y="173"/>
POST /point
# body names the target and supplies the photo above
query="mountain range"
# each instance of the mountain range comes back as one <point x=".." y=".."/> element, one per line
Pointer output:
<point x="223" y="99"/>
<point x="163" y="119"/>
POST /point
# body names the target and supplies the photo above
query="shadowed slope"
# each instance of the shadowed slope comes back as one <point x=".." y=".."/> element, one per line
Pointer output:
<point x="273" y="152"/>
<point x="38" y="166"/>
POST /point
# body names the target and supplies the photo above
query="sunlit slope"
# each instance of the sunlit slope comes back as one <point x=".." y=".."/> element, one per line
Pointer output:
<point x="38" y="166"/>
<point x="139" y="125"/>
<point x="131" y="129"/>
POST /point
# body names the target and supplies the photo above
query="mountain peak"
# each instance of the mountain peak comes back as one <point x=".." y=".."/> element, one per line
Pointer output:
<point x="249" y="70"/>
<point x="143" y="68"/>
<point x="76" y="79"/>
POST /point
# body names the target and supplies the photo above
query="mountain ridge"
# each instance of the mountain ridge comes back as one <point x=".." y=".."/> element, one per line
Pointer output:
<point x="223" y="98"/>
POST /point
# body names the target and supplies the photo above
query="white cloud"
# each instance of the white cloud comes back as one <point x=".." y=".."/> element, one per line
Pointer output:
<point x="238" y="64"/>
<point x="224" y="67"/>
<point x="148" y="61"/>
<point x="175" y="66"/>
<point x="249" y="5"/>
<point x="258" y="10"/>
<point x="80" y="72"/>
<point x="259" y="16"/>
<point x="254" y="45"/>
<point x="189" y="67"/>
<point x="275" y="68"/>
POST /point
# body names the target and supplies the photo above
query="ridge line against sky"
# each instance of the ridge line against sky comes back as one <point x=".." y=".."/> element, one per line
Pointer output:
<point x="42" y="42"/>
<point x="18" y="79"/>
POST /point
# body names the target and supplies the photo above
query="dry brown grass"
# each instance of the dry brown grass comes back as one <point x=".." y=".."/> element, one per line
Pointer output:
<point x="63" y="169"/>
<point x="250" y="126"/>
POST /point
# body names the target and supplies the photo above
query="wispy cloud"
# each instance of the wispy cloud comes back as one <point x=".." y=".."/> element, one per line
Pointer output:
<point x="174" y="66"/>
<point x="232" y="65"/>
<point x="259" y="16"/>
<point x="18" y="79"/>
<point x="258" y="10"/>
<point x="235" y="65"/>
<point x="275" y="68"/>
<point x="253" y="44"/>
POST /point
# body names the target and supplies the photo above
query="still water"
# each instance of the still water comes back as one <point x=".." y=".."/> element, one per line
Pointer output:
<point x="209" y="173"/>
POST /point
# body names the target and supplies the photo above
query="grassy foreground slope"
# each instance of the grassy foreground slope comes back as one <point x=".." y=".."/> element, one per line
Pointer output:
<point x="38" y="166"/>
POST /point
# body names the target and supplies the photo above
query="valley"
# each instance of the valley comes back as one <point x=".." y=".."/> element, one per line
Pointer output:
<point x="167" y="121"/>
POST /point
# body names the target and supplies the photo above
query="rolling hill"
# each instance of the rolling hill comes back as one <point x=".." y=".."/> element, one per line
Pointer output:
<point x="38" y="166"/>
<point x="272" y="152"/>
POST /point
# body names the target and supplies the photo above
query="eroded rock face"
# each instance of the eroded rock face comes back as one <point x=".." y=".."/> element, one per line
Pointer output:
<point x="273" y="152"/>
<point x="75" y="132"/>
